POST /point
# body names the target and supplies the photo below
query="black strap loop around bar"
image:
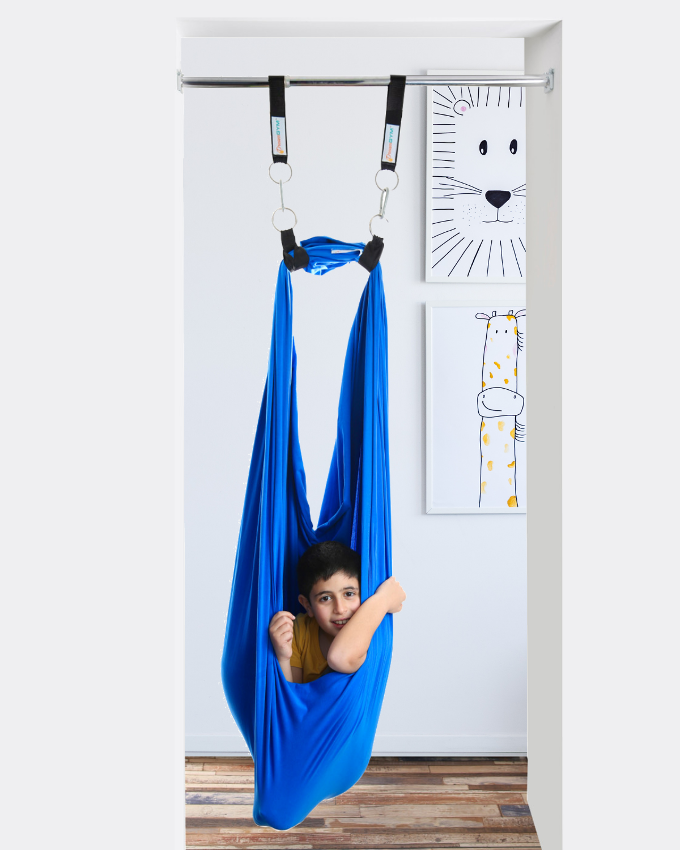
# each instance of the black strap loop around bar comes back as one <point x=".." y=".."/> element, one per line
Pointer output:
<point x="300" y="258"/>
<point x="277" y="118"/>
<point x="395" y="105"/>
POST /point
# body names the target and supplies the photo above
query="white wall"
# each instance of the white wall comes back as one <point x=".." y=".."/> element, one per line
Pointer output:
<point x="544" y="368"/>
<point x="458" y="677"/>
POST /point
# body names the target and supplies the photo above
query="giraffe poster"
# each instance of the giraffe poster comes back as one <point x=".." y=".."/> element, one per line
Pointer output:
<point x="476" y="174"/>
<point x="476" y="407"/>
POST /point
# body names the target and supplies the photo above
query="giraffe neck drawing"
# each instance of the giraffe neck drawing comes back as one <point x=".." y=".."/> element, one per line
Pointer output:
<point x="499" y="404"/>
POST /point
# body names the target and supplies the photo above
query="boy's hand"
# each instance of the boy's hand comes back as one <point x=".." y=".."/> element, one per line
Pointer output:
<point x="391" y="594"/>
<point x="281" y="633"/>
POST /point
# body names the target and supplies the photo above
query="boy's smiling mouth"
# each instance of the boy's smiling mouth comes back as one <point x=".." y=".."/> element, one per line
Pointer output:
<point x="340" y="623"/>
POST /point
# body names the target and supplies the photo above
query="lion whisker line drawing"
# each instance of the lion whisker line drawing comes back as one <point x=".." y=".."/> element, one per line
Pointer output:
<point x="464" y="190"/>
<point x="463" y="183"/>
<point x="442" y="234"/>
<point x="448" y="240"/>
<point x="499" y="404"/>
<point x="449" y="251"/>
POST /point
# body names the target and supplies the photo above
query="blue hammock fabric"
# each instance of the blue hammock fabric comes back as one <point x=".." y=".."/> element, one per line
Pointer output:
<point x="311" y="742"/>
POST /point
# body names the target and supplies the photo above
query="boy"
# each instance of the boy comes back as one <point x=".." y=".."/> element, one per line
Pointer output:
<point x="336" y="631"/>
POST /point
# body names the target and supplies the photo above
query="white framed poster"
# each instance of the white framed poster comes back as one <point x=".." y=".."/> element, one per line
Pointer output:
<point x="475" y="407"/>
<point x="476" y="171"/>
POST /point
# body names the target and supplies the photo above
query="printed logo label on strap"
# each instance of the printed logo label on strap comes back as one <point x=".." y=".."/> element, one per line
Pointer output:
<point x="279" y="136"/>
<point x="390" y="143"/>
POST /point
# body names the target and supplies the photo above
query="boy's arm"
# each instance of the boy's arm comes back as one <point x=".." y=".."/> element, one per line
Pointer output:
<point x="348" y="651"/>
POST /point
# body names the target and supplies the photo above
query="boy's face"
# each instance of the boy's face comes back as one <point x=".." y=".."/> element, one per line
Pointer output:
<point x="333" y="602"/>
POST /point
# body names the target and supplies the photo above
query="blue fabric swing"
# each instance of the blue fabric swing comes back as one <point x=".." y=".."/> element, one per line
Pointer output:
<point x="311" y="742"/>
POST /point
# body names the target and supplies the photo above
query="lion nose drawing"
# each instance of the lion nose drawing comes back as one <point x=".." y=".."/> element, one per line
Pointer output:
<point x="497" y="198"/>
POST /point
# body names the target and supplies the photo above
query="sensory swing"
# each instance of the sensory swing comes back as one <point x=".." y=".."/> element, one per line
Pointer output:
<point x="314" y="741"/>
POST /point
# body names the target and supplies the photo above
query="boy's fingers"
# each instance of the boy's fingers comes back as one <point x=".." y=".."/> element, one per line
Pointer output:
<point x="282" y="616"/>
<point x="283" y="629"/>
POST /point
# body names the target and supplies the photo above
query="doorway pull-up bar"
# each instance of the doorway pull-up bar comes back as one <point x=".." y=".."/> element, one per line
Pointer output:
<point x="545" y="80"/>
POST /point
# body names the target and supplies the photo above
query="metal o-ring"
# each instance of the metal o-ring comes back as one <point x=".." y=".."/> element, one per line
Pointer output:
<point x="377" y="215"/>
<point x="279" y="209"/>
<point x="280" y="163"/>
<point x="382" y="188"/>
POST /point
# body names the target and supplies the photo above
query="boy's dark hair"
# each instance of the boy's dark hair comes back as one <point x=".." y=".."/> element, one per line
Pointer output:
<point x="323" y="560"/>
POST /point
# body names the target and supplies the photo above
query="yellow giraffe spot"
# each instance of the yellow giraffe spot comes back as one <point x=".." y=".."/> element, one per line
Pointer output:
<point x="515" y="330"/>
<point x="510" y="465"/>
<point x="501" y="424"/>
<point x="489" y="325"/>
<point x="483" y="488"/>
<point x="506" y="448"/>
<point x="483" y="384"/>
<point x="483" y="425"/>
<point x="512" y="502"/>
<point x="509" y="318"/>
<point x="515" y="372"/>
<point x="497" y="365"/>
<point x="509" y="480"/>
<point x="507" y="356"/>
<point x="486" y="439"/>
<point x="489" y="465"/>
<point x="490" y="375"/>
<point x="506" y="380"/>
<point x="512" y="433"/>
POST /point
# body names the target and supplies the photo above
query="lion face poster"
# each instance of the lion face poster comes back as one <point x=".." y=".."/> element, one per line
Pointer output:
<point x="477" y="174"/>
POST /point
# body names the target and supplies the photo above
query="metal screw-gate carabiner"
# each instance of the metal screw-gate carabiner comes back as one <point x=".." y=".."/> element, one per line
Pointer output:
<point x="384" y="195"/>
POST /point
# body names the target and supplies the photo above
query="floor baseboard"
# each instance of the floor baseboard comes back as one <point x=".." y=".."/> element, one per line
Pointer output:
<point x="384" y="745"/>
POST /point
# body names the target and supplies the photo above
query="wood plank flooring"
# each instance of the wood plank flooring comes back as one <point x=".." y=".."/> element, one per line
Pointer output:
<point x="398" y="803"/>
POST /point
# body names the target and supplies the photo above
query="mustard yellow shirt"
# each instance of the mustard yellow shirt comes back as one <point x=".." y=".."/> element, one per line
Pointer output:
<point x="306" y="649"/>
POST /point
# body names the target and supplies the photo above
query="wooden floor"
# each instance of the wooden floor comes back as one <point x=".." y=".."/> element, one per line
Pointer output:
<point x="399" y="803"/>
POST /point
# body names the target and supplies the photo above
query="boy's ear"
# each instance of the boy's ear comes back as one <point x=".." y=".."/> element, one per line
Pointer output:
<point x="305" y="604"/>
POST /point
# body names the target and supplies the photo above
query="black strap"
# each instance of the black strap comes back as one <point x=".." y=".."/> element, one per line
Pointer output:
<point x="277" y="118"/>
<point x="277" y="121"/>
<point x="395" y="105"/>
<point x="370" y="256"/>
<point x="300" y="258"/>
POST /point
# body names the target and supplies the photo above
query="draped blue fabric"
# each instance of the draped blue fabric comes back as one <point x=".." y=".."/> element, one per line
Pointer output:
<point x="311" y="742"/>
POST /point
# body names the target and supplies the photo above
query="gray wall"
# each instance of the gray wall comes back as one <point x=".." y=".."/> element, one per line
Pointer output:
<point x="458" y="676"/>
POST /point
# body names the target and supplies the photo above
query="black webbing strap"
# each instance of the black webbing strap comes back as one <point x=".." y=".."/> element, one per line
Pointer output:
<point x="300" y="258"/>
<point x="277" y="121"/>
<point x="395" y="105"/>
<point x="277" y="115"/>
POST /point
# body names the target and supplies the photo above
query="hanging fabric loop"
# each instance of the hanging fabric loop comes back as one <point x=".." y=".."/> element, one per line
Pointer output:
<point x="311" y="742"/>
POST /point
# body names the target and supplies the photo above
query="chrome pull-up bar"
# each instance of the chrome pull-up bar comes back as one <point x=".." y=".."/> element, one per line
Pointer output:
<point x="545" y="80"/>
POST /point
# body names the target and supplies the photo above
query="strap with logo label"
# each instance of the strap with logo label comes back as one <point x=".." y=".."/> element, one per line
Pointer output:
<point x="294" y="256"/>
<point x="277" y="114"/>
<point x="395" y="105"/>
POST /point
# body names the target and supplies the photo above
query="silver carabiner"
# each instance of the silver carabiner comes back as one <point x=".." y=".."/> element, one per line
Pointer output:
<point x="384" y="195"/>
